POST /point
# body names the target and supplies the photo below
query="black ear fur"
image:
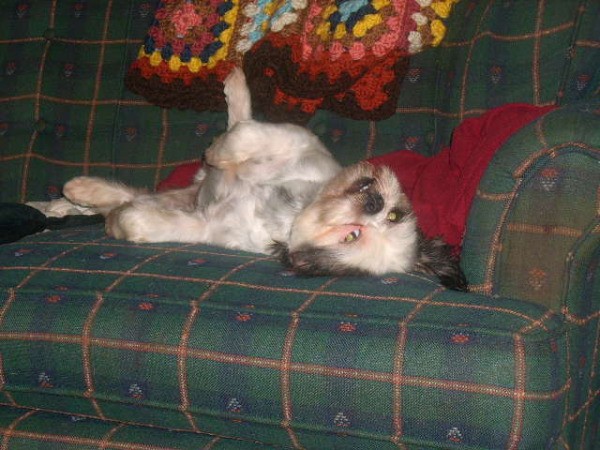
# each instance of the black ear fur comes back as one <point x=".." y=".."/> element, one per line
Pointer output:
<point x="282" y="252"/>
<point x="435" y="258"/>
<point x="310" y="261"/>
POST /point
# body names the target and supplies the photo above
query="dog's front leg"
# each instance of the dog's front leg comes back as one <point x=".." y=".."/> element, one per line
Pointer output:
<point x="98" y="193"/>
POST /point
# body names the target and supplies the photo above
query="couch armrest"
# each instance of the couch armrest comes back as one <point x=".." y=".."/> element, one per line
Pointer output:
<point x="534" y="230"/>
<point x="534" y="233"/>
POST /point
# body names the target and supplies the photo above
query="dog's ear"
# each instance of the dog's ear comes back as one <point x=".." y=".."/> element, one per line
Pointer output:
<point x="237" y="95"/>
<point x="282" y="252"/>
<point x="436" y="258"/>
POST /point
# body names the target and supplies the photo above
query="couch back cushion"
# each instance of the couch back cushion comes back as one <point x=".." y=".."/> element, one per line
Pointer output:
<point x="65" y="110"/>
<point x="534" y="51"/>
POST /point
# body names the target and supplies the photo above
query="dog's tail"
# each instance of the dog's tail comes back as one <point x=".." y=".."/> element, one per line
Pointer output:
<point x="237" y="95"/>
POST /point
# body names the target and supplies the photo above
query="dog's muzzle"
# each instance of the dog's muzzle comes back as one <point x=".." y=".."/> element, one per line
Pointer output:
<point x="373" y="203"/>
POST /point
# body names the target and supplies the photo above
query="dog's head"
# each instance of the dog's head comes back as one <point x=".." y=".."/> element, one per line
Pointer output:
<point x="360" y="223"/>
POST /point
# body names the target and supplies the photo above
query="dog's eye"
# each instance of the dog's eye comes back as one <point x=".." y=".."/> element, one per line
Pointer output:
<point x="352" y="236"/>
<point x="366" y="185"/>
<point x="394" y="215"/>
<point x="361" y="185"/>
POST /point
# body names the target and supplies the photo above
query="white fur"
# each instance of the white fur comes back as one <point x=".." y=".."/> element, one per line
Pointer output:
<point x="381" y="246"/>
<point x="264" y="183"/>
<point x="382" y="251"/>
<point x="256" y="178"/>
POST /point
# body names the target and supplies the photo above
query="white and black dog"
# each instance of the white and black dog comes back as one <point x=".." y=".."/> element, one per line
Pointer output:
<point x="361" y="223"/>
<point x="275" y="189"/>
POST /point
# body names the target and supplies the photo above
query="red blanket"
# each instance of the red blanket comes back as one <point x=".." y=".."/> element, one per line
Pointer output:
<point x="441" y="188"/>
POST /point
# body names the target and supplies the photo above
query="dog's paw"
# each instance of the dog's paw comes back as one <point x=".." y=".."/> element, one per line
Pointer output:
<point x="94" y="192"/>
<point x="84" y="190"/>
<point x="235" y="81"/>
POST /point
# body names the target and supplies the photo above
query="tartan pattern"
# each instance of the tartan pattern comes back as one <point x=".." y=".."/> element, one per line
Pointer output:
<point x="557" y="176"/>
<point x="75" y="116"/>
<point x="534" y="233"/>
<point x="24" y="428"/>
<point x="201" y="340"/>
<point x="209" y="346"/>
<point x="496" y="52"/>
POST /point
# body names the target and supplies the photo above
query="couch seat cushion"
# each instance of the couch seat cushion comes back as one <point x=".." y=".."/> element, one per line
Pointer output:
<point x="203" y="339"/>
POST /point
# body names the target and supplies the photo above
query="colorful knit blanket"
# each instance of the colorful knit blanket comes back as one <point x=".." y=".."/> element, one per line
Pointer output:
<point x="348" y="56"/>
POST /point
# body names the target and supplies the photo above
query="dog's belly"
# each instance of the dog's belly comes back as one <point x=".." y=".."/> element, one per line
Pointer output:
<point x="236" y="224"/>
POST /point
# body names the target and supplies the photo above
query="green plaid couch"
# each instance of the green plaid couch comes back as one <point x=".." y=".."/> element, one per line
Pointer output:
<point x="108" y="344"/>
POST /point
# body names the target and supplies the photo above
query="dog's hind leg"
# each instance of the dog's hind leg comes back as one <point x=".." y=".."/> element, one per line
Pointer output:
<point x="145" y="220"/>
<point x="237" y="95"/>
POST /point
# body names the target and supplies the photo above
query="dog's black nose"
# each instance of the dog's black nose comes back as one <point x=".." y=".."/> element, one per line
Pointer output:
<point x="373" y="203"/>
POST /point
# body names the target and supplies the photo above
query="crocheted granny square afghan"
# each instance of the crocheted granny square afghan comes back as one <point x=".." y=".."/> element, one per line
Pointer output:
<point x="348" y="56"/>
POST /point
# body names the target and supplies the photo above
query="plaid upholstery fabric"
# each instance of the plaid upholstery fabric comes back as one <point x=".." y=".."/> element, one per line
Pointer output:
<point x="534" y="232"/>
<point x="75" y="116"/>
<point x="27" y="429"/>
<point x="218" y="345"/>
<point x="558" y="177"/>
<point x="496" y="52"/>
<point x="202" y="339"/>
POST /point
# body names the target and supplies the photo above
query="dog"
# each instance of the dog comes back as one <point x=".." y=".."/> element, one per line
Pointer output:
<point x="254" y="180"/>
<point x="362" y="223"/>
<point x="276" y="189"/>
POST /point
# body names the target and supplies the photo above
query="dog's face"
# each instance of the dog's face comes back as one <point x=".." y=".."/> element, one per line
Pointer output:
<point x="360" y="223"/>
